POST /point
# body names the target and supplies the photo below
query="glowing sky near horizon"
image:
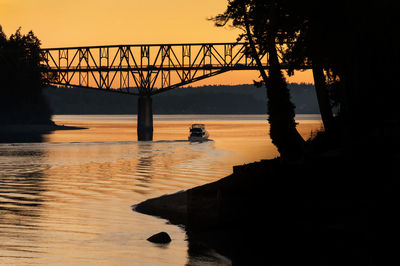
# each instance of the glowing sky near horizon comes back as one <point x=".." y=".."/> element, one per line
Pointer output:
<point x="60" y="23"/>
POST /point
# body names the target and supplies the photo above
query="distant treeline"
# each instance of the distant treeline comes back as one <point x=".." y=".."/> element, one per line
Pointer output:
<point x="237" y="99"/>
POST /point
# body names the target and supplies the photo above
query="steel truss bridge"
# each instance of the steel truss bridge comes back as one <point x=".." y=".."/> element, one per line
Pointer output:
<point x="144" y="70"/>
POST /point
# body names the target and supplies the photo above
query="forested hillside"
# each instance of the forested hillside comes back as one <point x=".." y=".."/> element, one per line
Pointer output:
<point x="239" y="99"/>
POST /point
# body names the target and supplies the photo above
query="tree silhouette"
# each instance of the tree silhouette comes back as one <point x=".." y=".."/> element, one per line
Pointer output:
<point x="260" y="22"/>
<point x="21" y="82"/>
<point x="353" y="44"/>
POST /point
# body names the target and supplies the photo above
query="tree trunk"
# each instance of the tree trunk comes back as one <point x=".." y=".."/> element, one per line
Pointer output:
<point x="322" y="97"/>
<point x="281" y="112"/>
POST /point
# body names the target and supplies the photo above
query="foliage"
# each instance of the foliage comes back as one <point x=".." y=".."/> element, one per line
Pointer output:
<point x="356" y="46"/>
<point x="354" y="43"/>
<point x="21" y="84"/>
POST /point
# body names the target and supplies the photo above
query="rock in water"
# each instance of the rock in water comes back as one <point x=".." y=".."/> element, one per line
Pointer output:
<point x="160" y="238"/>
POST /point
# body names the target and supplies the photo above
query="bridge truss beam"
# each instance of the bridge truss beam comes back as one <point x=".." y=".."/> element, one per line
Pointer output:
<point x="143" y="69"/>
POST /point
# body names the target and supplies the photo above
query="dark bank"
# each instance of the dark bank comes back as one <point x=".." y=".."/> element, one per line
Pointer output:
<point x="328" y="210"/>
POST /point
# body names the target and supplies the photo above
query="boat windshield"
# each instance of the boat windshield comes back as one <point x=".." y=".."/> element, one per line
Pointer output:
<point x="200" y="126"/>
<point x="196" y="130"/>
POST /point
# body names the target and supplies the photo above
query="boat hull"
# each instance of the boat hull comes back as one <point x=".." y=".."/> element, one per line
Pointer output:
<point x="197" y="139"/>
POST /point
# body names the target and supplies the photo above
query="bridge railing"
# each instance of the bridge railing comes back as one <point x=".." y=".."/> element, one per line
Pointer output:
<point x="150" y="68"/>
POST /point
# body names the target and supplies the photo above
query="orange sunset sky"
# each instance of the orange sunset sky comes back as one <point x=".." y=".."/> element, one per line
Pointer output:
<point x="62" y="23"/>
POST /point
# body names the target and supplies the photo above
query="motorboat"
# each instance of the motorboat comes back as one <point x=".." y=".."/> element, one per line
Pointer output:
<point x="198" y="133"/>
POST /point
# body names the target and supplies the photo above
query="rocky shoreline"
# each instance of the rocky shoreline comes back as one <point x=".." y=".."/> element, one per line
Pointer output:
<point x="327" y="210"/>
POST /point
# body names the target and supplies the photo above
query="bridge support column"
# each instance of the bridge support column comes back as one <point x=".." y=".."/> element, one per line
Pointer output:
<point x="145" y="118"/>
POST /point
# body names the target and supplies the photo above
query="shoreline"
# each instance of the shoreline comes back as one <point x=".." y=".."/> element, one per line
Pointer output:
<point x="36" y="128"/>
<point x="329" y="208"/>
<point x="27" y="133"/>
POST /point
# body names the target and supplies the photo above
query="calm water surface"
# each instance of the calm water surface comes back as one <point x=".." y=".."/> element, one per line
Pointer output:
<point x="67" y="200"/>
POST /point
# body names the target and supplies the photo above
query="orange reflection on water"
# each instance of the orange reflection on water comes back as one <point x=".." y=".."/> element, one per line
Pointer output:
<point x="69" y="199"/>
<point x="248" y="140"/>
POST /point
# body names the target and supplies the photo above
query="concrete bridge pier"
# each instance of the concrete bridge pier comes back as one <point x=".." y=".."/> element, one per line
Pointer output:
<point x="145" y="118"/>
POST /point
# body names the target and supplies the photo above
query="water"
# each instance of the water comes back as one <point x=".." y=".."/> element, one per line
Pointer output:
<point x="67" y="200"/>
